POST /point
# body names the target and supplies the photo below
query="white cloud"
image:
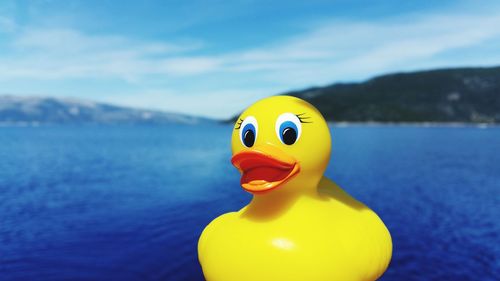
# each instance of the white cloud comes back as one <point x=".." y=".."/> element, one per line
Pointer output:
<point x="332" y="50"/>
<point x="356" y="50"/>
<point x="214" y="104"/>
<point x="7" y="24"/>
<point x="187" y="65"/>
<point x="67" y="53"/>
<point x="328" y="52"/>
<point x="69" y="41"/>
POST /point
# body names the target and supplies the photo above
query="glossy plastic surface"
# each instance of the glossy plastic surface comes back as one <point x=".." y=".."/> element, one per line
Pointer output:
<point x="299" y="225"/>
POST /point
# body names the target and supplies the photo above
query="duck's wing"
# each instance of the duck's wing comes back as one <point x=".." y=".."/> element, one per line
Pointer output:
<point x="330" y="190"/>
<point x="379" y="235"/>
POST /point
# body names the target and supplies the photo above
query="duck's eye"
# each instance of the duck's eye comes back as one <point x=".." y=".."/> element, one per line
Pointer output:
<point x="288" y="128"/>
<point x="248" y="131"/>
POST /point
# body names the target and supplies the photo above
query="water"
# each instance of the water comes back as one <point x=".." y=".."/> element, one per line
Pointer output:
<point x="129" y="203"/>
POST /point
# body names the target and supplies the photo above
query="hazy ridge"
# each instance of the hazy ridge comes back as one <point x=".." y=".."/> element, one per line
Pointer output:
<point x="48" y="110"/>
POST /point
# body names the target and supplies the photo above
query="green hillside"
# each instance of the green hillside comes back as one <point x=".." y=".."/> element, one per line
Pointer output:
<point x="445" y="95"/>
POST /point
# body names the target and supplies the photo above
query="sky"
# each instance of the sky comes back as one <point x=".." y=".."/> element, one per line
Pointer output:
<point x="214" y="58"/>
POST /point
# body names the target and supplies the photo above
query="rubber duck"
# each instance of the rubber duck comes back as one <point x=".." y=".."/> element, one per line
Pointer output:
<point x="299" y="224"/>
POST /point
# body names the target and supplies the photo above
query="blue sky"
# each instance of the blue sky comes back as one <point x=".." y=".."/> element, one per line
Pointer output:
<point x="213" y="58"/>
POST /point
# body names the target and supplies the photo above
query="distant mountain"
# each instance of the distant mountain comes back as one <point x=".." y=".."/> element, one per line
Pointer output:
<point x="38" y="110"/>
<point x="445" y="95"/>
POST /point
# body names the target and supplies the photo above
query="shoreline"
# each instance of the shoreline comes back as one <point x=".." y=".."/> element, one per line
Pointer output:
<point x="330" y="123"/>
<point x="414" y="124"/>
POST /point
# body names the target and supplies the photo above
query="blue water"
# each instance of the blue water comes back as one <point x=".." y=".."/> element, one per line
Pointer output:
<point x="129" y="203"/>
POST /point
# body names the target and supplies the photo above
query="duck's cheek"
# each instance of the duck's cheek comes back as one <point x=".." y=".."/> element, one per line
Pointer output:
<point x="310" y="173"/>
<point x="236" y="146"/>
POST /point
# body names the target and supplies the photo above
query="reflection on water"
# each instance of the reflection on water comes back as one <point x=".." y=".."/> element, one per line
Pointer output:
<point x="128" y="203"/>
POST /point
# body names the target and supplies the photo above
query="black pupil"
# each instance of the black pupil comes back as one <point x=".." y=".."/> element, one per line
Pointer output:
<point x="249" y="138"/>
<point x="289" y="136"/>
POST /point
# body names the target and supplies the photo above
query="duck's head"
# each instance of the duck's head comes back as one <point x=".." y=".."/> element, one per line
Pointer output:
<point x="280" y="143"/>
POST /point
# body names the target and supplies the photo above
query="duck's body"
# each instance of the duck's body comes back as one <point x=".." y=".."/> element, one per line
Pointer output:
<point x="330" y="236"/>
<point x="299" y="224"/>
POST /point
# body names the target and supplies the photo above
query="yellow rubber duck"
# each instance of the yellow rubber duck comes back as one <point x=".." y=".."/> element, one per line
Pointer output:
<point x="299" y="225"/>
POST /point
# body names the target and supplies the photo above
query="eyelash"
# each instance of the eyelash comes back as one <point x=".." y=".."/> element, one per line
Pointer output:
<point x="239" y="124"/>
<point x="301" y="118"/>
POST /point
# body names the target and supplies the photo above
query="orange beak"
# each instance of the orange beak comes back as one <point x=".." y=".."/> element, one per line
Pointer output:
<point x="263" y="171"/>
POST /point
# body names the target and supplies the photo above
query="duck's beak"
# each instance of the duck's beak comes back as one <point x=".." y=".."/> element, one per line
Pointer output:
<point x="264" y="168"/>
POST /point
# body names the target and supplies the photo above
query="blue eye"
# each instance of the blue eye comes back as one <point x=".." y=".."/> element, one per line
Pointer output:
<point x="288" y="132"/>
<point x="248" y="131"/>
<point x="248" y="135"/>
<point x="288" y="128"/>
